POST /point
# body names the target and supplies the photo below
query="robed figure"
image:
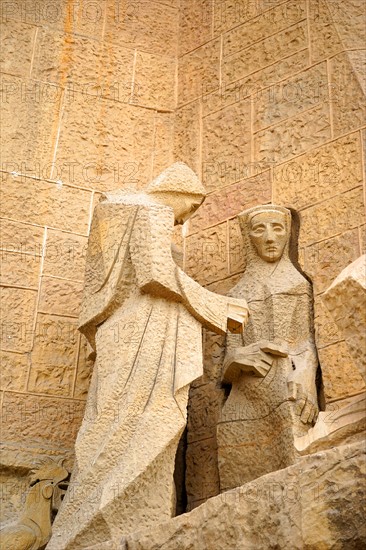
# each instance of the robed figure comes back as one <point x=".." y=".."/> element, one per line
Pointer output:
<point x="272" y="366"/>
<point x="143" y="316"/>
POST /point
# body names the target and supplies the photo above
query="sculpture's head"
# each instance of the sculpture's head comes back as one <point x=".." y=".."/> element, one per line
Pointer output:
<point x="179" y="188"/>
<point x="266" y="230"/>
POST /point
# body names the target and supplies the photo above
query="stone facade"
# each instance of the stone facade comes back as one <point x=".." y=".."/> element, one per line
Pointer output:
<point x="263" y="99"/>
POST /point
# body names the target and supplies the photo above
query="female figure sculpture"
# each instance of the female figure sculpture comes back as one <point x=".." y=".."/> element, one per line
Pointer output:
<point x="272" y="365"/>
<point x="143" y="316"/>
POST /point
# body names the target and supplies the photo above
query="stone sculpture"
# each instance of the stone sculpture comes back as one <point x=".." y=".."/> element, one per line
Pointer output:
<point x="143" y="316"/>
<point x="272" y="366"/>
<point x="33" y="529"/>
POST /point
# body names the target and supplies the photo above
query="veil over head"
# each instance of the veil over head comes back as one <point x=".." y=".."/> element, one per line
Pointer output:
<point x="177" y="178"/>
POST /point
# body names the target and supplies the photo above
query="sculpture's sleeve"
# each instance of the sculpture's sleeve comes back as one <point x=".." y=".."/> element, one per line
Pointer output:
<point x="209" y="308"/>
<point x="151" y="253"/>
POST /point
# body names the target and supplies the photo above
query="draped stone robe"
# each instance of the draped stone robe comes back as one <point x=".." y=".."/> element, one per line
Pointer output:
<point x="259" y="422"/>
<point x="143" y="316"/>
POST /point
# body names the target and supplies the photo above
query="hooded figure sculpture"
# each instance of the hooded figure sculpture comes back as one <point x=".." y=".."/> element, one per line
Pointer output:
<point x="272" y="366"/>
<point x="142" y="314"/>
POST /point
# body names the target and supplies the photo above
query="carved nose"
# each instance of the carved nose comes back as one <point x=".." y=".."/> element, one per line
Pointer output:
<point x="269" y="236"/>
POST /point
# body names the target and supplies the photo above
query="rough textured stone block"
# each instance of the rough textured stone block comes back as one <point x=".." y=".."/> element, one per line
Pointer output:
<point x="56" y="342"/>
<point x="84" y="370"/>
<point x="332" y="217"/>
<point x="349" y="21"/>
<point x="264" y="53"/>
<point x="29" y="417"/>
<point x="324" y="39"/>
<point x="340" y="376"/>
<point x="325" y="258"/>
<point x="60" y="297"/>
<point x="19" y="269"/>
<point x="236" y="247"/>
<point x="260" y="27"/>
<point x="294" y="136"/>
<point x="204" y="405"/>
<point x="16" y="47"/>
<point x="202" y="476"/>
<point x="206" y="254"/>
<point x="187" y="136"/>
<point x="110" y="144"/>
<point x="28" y="140"/>
<point x="198" y="72"/>
<point x="231" y="200"/>
<point x="65" y="255"/>
<point x="346" y="301"/>
<point x="155" y="81"/>
<point x="195" y="24"/>
<point x="226" y="145"/>
<point x="63" y="208"/>
<point x="326" y="331"/>
<point x="14" y="371"/>
<point x="225" y="285"/>
<point x="83" y="65"/>
<point x="288" y="508"/>
<point x="21" y="237"/>
<point x="320" y="174"/>
<point x="52" y="380"/>
<point x="163" y="140"/>
<point x="252" y="84"/>
<point x="145" y="25"/>
<point x="18" y="311"/>
<point x="290" y="97"/>
<point x="347" y="95"/>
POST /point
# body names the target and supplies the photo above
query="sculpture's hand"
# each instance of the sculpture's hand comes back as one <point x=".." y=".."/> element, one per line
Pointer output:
<point x="255" y="359"/>
<point x="306" y="402"/>
<point x="237" y="315"/>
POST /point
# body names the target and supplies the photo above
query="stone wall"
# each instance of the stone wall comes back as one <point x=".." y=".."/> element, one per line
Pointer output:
<point x="270" y="108"/>
<point x="262" y="98"/>
<point x="88" y="95"/>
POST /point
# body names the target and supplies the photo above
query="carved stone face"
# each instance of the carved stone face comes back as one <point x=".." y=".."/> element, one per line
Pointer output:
<point x="183" y="204"/>
<point x="269" y="235"/>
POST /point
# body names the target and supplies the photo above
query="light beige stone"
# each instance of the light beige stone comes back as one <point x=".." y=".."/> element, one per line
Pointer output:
<point x="289" y="508"/>
<point x="324" y="38"/>
<point x="21" y="237"/>
<point x="228" y="202"/>
<point x="187" y="135"/>
<point x="349" y="21"/>
<point x="19" y="269"/>
<point x="332" y="216"/>
<point x="142" y="315"/>
<point x="319" y="174"/>
<point x="226" y="150"/>
<point x="327" y="257"/>
<point x="258" y="28"/>
<point x="326" y="331"/>
<point x="293" y="136"/>
<point x="28" y="140"/>
<point x="252" y="84"/>
<point x="264" y="53"/>
<point x="60" y="296"/>
<point x="16" y="46"/>
<point x="84" y="369"/>
<point x="65" y="255"/>
<point x="163" y="139"/>
<point x="346" y="301"/>
<point x="340" y="376"/>
<point x="93" y="136"/>
<point x="201" y="472"/>
<point x="347" y="95"/>
<point x="62" y="208"/>
<point x="206" y="254"/>
<point x="145" y="25"/>
<point x="195" y="24"/>
<point x="18" y="312"/>
<point x="291" y="97"/>
<point x="155" y="81"/>
<point x="272" y="366"/>
<point x="199" y="72"/>
<point x="14" y="370"/>
<point x="33" y="528"/>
